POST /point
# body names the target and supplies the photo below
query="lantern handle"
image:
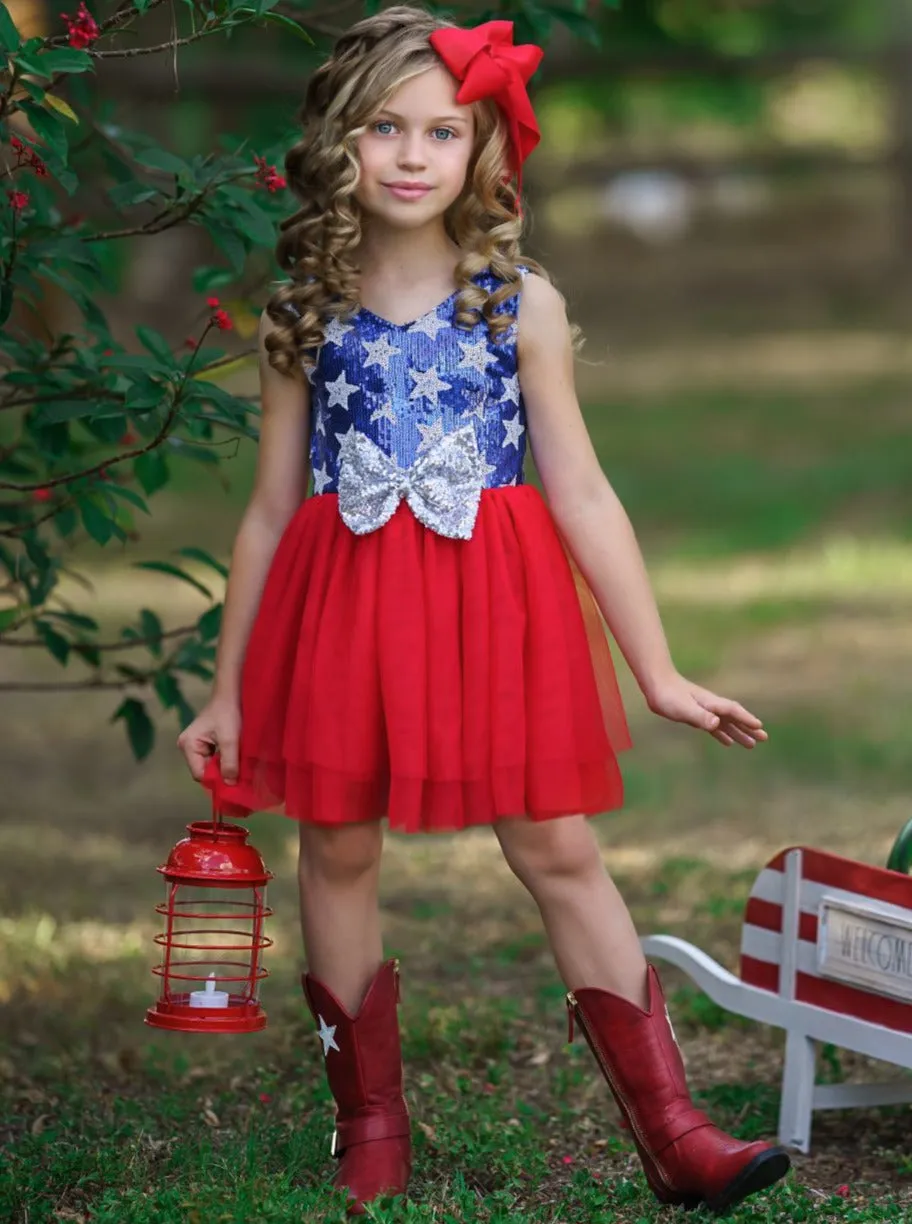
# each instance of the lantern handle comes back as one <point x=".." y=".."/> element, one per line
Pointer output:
<point x="217" y="822"/>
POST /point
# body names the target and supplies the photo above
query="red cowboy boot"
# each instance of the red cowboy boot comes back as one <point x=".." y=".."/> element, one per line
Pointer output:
<point x="364" y="1068"/>
<point x="687" y="1160"/>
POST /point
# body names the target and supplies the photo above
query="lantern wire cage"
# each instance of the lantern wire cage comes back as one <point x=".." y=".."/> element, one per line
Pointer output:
<point x="203" y="928"/>
<point x="213" y="938"/>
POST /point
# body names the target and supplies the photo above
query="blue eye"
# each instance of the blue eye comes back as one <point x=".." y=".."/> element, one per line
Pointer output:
<point x="381" y="123"/>
<point x="449" y="132"/>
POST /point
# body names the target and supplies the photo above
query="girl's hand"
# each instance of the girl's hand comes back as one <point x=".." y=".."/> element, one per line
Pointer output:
<point x="727" y="721"/>
<point x="216" y="727"/>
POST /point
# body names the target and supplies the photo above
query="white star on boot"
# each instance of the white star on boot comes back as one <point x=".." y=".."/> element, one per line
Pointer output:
<point x="327" y="1035"/>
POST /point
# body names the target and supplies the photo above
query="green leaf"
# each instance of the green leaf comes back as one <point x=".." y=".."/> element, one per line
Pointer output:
<point x="131" y="496"/>
<point x="207" y="278"/>
<point x="128" y="195"/>
<point x="291" y="26"/>
<point x="9" y="617"/>
<point x="151" y="470"/>
<point x="65" y="59"/>
<point x="167" y="689"/>
<point x="165" y="567"/>
<point x="161" y="159"/>
<point x="151" y="628"/>
<point x="91" y="654"/>
<point x="34" y="90"/>
<point x="210" y="623"/>
<point x="200" y="554"/>
<point x="65" y="410"/>
<point x="65" y="521"/>
<point x="48" y="127"/>
<point x="227" y="241"/>
<point x="10" y="38"/>
<point x="140" y="729"/>
<point x="76" y="619"/>
<point x="56" y="643"/>
<point x="99" y="526"/>
<point x="128" y="671"/>
<point x="156" y="344"/>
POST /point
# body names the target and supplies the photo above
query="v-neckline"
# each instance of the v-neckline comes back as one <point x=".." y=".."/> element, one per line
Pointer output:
<point x="432" y="310"/>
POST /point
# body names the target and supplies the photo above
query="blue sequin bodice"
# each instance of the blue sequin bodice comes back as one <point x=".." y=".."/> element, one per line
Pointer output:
<point x="407" y="386"/>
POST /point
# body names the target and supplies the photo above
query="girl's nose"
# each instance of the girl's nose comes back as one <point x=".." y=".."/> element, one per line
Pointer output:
<point x="411" y="151"/>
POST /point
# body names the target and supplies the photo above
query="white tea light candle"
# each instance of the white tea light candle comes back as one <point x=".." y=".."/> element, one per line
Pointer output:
<point x="210" y="997"/>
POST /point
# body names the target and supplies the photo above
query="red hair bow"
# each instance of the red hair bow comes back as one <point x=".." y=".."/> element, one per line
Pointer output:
<point x="487" y="63"/>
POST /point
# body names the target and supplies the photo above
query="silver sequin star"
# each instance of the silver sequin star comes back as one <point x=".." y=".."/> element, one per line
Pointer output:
<point x="430" y="434"/>
<point x="339" y="391"/>
<point x="340" y="437"/>
<point x="320" y="422"/>
<point x="429" y="324"/>
<point x="385" y="413"/>
<point x="511" y="390"/>
<point x="335" y="330"/>
<point x="321" y="479"/>
<point x="379" y="352"/>
<point x="327" y="1035"/>
<point x="476" y="356"/>
<point x="514" y="431"/>
<point x="427" y="384"/>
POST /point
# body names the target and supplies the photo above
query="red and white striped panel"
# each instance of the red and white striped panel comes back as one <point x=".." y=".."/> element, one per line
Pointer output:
<point x="822" y="875"/>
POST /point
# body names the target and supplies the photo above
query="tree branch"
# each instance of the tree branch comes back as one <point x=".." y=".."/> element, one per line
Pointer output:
<point x="50" y="686"/>
<point x="132" y="52"/>
<point x="125" y="645"/>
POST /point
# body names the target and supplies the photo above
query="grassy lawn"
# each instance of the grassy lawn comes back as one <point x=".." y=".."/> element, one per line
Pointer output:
<point x="777" y="529"/>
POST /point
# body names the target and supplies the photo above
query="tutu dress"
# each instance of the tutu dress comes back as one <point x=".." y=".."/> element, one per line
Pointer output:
<point x="424" y="647"/>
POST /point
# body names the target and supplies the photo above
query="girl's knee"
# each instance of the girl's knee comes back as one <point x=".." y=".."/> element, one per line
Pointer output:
<point x="549" y="851"/>
<point x="340" y="851"/>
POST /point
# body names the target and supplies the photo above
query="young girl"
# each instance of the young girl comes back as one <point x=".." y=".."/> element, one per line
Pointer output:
<point x="413" y="641"/>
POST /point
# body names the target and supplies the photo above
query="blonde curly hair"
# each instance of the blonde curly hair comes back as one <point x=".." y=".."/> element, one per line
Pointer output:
<point x="317" y="244"/>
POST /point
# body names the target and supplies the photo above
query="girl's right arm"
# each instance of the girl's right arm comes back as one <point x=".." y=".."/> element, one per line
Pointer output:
<point x="280" y="485"/>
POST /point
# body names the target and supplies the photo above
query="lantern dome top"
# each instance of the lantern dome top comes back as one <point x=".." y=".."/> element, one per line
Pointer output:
<point x="215" y="854"/>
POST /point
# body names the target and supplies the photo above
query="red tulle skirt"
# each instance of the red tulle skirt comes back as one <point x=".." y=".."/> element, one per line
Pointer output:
<point x="439" y="683"/>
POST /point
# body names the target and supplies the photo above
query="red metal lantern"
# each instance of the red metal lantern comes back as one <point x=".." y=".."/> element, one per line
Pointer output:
<point x="214" y="911"/>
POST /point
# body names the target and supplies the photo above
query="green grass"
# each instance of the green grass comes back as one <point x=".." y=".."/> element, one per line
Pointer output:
<point x="170" y="1140"/>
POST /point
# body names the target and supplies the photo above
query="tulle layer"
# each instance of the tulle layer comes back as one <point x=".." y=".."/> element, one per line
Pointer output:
<point x="439" y="683"/>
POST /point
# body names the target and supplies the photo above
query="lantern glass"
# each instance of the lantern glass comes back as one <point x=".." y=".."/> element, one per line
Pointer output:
<point x="213" y="933"/>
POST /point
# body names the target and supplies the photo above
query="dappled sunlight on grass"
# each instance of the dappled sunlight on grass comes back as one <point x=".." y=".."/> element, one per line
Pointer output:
<point x="858" y="569"/>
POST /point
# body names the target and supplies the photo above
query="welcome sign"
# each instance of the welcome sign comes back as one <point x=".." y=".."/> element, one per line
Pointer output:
<point x="865" y="945"/>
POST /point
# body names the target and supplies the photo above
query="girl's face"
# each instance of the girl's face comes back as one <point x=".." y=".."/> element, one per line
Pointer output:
<point x="415" y="152"/>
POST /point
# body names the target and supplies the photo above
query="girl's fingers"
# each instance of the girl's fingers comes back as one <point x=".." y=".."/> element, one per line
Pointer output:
<point x="739" y="736"/>
<point x="722" y="738"/>
<point x="728" y="709"/>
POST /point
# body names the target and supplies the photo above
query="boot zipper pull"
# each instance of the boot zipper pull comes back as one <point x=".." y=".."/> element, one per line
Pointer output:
<point x="571" y="1004"/>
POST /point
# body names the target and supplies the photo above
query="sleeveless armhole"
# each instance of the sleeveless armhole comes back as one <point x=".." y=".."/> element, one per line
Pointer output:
<point x="518" y="297"/>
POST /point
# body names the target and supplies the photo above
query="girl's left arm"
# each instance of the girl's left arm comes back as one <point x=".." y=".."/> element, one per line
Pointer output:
<point x="596" y="527"/>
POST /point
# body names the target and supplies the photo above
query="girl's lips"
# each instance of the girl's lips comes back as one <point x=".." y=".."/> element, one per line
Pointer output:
<point x="407" y="193"/>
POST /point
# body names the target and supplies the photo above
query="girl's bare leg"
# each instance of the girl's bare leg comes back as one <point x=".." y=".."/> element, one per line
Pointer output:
<point x="338" y="874"/>
<point x="588" y="925"/>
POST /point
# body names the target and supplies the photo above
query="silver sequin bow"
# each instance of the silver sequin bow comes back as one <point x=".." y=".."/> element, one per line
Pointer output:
<point x="442" y="487"/>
